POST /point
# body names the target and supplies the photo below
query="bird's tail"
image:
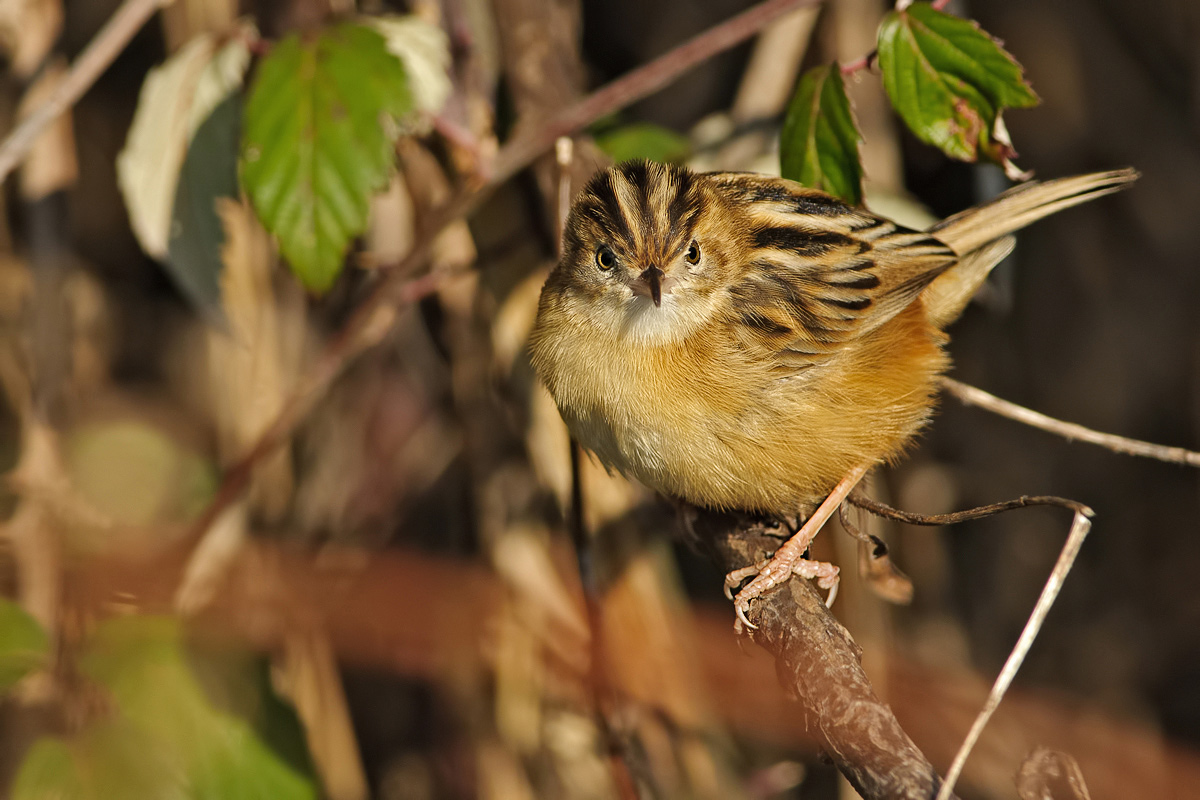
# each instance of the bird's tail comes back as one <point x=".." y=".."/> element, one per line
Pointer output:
<point x="981" y="238"/>
<point x="1023" y="205"/>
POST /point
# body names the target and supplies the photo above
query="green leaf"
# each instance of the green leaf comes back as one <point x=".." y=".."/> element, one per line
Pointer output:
<point x="950" y="81"/>
<point x="143" y="663"/>
<point x="107" y="759"/>
<point x="23" y="644"/>
<point x="644" y="140"/>
<point x="317" y="141"/>
<point x="819" y="143"/>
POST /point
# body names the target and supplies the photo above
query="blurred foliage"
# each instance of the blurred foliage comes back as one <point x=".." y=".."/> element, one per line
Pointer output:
<point x="163" y="738"/>
<point x="136" y="474"/>
<point x="643" y="140"/>
<point x="24" y="646"/>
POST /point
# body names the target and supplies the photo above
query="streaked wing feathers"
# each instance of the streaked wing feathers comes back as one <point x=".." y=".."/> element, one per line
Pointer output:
<point x="821" y="274"/>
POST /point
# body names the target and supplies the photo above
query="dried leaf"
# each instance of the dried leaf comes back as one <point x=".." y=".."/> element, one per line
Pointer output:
<point x="28" y="29"/>
<point x="425" y="51"/>
<point x="175" y="100"/>
<point x="255" y="363"/>
<point x="1047" y="774"/>
<point x="51" y="165"/>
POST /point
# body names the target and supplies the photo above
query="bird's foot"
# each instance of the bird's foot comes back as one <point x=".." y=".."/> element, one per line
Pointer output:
<point x="789" y="559"/>
<point x="770" y="572"/>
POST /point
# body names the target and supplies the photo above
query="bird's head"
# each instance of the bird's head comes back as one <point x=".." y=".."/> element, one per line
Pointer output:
<point x="644" y="254"/>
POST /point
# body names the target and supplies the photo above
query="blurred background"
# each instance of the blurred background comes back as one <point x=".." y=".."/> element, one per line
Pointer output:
<point x="394" y="609"/>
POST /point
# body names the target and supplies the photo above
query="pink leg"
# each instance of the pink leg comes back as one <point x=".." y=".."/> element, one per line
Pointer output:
<point x="789" y="559"/>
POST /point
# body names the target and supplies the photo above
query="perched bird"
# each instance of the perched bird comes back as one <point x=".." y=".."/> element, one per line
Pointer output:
<point x="741" y="342"/>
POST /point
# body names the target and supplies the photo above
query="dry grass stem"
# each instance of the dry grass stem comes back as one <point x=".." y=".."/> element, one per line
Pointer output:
<point x="1066" y="559"/>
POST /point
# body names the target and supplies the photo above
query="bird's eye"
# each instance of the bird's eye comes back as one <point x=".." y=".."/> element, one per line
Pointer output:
<point x="605" y="258"/>
<point x="693" y="253"/>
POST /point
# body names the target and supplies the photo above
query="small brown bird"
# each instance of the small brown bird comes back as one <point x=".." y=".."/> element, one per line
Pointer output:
<point x="741" y="342"/>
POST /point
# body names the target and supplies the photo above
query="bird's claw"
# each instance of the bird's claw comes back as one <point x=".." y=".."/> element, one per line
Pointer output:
<point x="769" y="573"/>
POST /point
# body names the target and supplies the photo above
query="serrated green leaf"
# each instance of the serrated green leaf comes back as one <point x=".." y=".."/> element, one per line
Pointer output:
<point x="23" y="644"/>
<point x="818" y="146"/>
<point x="949" y="80"/>
<point x="644" y="141"/>
<point x="317" y="142"/>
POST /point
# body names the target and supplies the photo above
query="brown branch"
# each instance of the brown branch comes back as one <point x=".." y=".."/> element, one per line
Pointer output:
<point x="91" y="63"/>
<point x="819" y="664"/>
<point x="1068" y="430"/>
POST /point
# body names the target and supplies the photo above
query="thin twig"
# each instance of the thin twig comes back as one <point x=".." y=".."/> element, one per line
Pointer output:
<point x="858" y="64"/>
<point x="105" y="46"/>
<point x="888" y="512"/>
<point x="1079" y="530"/>
<point x="399" y="287"/>
<point x="1069" y="430"/>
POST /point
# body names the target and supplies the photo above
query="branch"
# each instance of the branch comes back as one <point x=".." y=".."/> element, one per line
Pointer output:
<point x="372" y="319"/>
<point x="1069" y="430"/>
<point x="819" y="664"/>
<point x="107" y="44"/>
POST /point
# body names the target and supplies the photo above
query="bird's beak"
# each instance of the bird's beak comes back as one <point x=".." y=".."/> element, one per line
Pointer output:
<point x="652" y="278"/>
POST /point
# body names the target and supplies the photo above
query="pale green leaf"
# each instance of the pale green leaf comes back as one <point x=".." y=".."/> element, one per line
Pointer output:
<point x="642" y="140"/>
<point x="108" y="759"/>
<point x="317" y="141"/>
<point x="143" y="663"/>
<point x="818" y="146"/>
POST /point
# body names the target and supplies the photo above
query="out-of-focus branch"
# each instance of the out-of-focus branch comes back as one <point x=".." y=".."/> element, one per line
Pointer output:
<point x="819" y="664"/>
<point x="102" y="51"/>
<point x="373" y="317"/>
<point x="347" y="587"/>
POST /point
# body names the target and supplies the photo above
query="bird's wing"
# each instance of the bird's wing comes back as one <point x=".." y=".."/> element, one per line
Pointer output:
<point x="819" y="273"/>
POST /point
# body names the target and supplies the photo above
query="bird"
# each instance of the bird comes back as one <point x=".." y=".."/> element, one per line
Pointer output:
<point x="740" y="342"/>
